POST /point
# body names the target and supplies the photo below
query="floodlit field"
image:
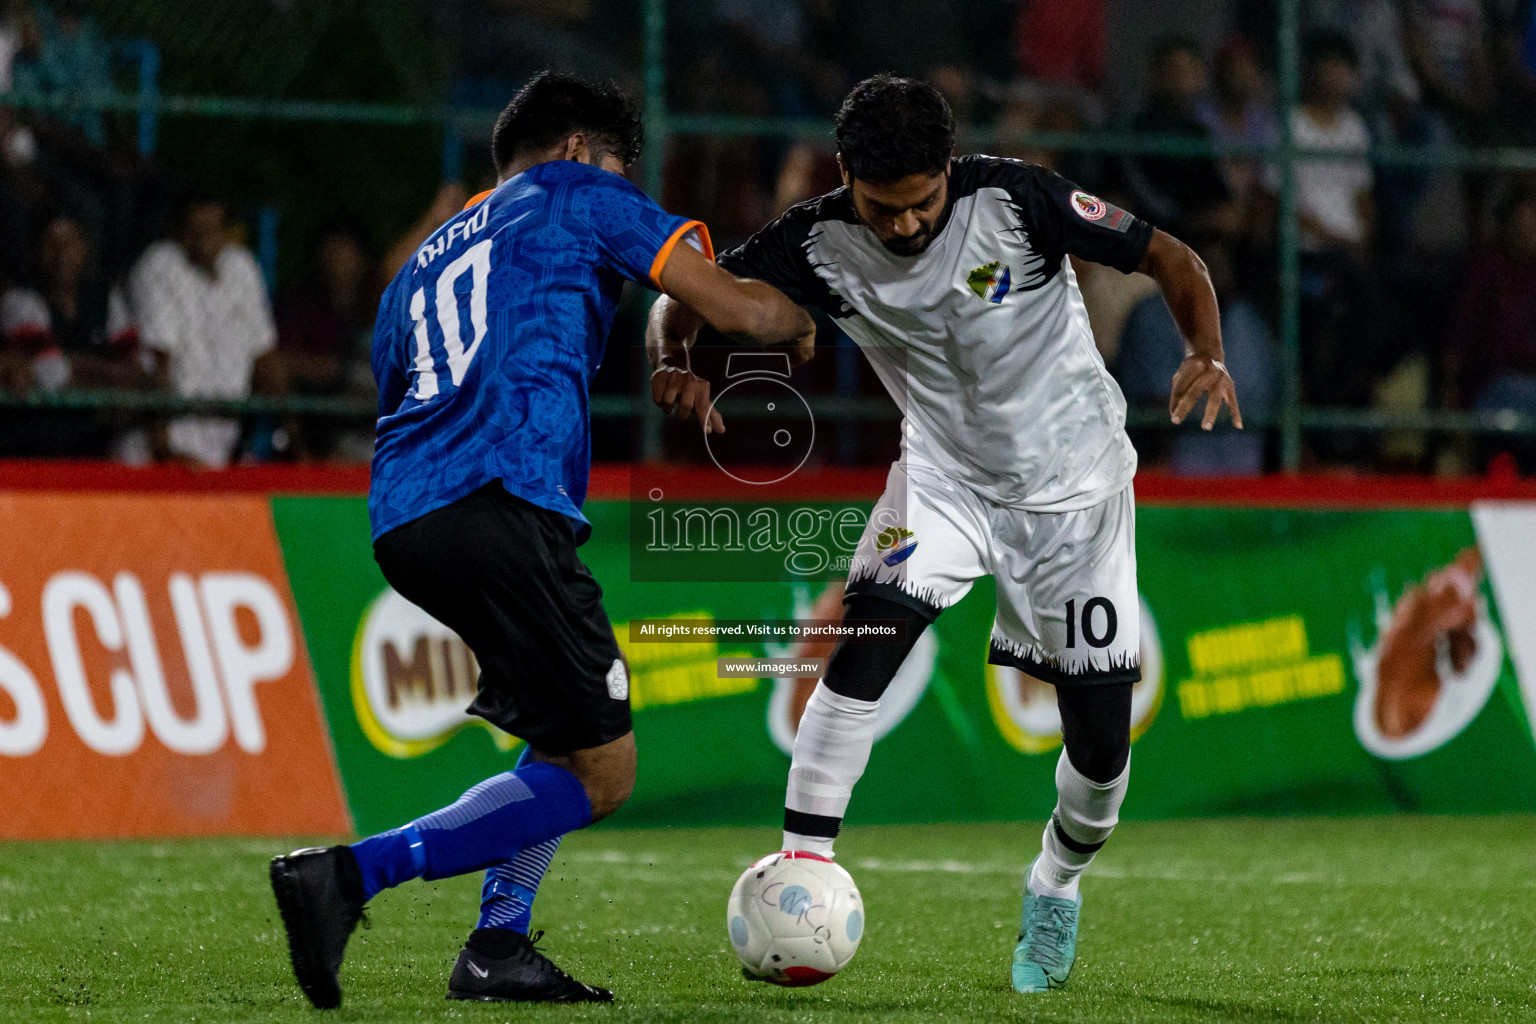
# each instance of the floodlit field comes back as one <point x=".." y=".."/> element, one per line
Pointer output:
<point x="1402" y="919"/>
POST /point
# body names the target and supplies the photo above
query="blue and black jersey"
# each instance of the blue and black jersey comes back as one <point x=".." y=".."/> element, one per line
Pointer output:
<point x="488" y="339"/>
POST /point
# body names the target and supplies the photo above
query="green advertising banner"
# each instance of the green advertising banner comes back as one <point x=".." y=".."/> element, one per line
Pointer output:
<point x="1293" y="661"/>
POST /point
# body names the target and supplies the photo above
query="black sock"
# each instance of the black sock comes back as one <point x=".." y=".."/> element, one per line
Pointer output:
<point x="496" y="943"/>
<point x="349" y="875"/>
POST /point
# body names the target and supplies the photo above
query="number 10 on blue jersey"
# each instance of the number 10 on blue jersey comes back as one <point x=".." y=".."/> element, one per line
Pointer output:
<point x="475" y="261"/>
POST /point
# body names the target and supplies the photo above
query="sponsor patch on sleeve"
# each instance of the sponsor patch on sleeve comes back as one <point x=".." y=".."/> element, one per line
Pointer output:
<point x="1089" y="207"/>
<point x="1118" y="220"/>
<point x="1092" y="208"/>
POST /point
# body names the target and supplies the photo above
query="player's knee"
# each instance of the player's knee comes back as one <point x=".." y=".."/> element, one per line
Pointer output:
<point x="1100" y="758"/>
<point x="1096" y="728"/>
<point x="863" y="670"/>
<point x="609" y="792"/>
<point x="607" y="773"/>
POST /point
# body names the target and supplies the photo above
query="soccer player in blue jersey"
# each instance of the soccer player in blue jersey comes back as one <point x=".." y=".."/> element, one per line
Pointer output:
<point x="486" y="344"/>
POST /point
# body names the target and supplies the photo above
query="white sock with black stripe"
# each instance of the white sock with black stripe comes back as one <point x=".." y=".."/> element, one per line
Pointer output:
<point x="1086" y="813"/>
<point x="831" y="752"/>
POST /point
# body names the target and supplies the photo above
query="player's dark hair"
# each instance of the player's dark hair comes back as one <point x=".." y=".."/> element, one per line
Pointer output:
<point x="890" y="128"/>
<point x="1330" y="46"/>
<point x="553" y="106"/>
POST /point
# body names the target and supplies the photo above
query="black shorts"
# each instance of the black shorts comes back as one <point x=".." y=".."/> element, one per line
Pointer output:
<point x="503" y="574"/>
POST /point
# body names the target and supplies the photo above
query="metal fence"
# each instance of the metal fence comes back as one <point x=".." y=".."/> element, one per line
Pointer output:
<point x="150" y="105"/>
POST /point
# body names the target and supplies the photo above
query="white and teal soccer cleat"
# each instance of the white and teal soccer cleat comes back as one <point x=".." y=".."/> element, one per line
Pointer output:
<point x="1047" y="942"/>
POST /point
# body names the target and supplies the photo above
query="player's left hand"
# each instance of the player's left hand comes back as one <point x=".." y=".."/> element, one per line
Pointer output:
<point x="680" y="394"/>
<point x="1199" y="375"/>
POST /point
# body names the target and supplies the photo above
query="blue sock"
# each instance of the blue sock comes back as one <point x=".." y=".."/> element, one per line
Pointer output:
<point x="488" y="825"/>
<point x="506" y="899"/>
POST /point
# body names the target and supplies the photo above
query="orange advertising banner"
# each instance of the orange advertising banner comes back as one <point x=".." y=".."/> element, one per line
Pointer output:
<point x="153" y="675"/>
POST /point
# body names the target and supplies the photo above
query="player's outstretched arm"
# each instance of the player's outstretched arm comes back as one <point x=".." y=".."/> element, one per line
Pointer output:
<point x="699" y="292"/>
<point x="744" y="309"/>
<point x="1187" y="289"/>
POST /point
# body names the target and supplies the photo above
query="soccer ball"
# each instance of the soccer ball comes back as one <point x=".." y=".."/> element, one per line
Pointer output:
<point x="795" y="918"/>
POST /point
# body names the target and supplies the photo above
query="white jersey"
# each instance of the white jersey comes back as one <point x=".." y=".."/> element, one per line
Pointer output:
<point x="982" y="339"/>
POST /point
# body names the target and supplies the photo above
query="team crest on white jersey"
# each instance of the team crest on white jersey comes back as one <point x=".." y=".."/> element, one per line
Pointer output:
<point x="991" y="282"/>
<point x="897" y="542"/>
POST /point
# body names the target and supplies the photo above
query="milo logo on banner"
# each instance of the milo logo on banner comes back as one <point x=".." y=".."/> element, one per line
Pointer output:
<point x="412" y="678"/>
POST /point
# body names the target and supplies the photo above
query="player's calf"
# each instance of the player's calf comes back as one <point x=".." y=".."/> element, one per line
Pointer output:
<point x="1091" y="779"/>
<point x="837" y="730"/>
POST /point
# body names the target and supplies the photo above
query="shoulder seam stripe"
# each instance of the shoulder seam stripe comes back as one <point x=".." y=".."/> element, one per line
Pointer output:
<point x="665" y="253"/>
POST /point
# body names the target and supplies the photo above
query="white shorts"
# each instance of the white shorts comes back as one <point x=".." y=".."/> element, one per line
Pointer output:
<point x="1067" y="605"/>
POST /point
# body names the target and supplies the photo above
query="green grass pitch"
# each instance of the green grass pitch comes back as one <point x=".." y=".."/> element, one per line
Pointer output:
<point x="1391" y="919"/>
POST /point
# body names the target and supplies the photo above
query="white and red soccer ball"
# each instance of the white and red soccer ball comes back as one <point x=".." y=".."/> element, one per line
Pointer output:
<point x="795" y="918"/>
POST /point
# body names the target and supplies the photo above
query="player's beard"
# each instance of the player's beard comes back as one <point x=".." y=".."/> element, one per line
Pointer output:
<point x="909" y="246"/>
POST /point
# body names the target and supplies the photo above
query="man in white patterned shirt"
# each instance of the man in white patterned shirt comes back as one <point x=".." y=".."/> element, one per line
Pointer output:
<point x="202" y="306"/>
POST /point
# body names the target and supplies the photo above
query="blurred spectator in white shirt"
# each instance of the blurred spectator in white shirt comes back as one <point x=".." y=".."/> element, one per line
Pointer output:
<point x="1420" y="208"/>
<point x="1333" y="197"/>
<point x="202" y="305"/>
<point x="1343" y="341"/>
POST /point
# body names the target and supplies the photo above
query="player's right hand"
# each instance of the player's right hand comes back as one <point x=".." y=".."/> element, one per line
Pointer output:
<point x="680" y="394"/>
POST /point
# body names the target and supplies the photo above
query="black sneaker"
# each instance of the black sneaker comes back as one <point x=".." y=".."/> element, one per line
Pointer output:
<point x="498" y="965"/>
<point x="320" y="895"/>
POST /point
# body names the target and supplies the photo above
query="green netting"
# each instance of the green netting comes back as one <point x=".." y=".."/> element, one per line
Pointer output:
<point x="327" y="109"/>
<point x="363" y="51"/>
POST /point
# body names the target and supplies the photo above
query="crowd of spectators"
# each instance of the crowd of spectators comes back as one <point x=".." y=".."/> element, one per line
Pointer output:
<point x="112" y="281"/>
<point x="1395" y="257"/>
<point x="1417" y="283"/>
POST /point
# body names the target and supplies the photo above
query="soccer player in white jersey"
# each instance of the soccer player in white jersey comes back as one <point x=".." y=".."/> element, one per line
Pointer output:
<point x="953" y="276"/>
